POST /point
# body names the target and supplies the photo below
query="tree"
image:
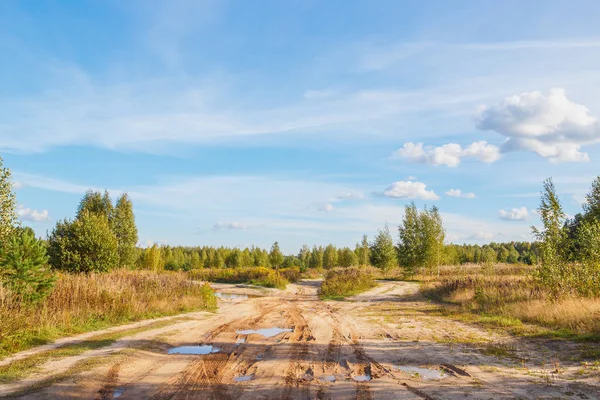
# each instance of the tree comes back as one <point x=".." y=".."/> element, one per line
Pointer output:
<point x="316" y="258"/>
<point x="86" y="244"/>
<point x="23" y="266"/>
<point x="304" y="256"/>
<point x="95" y="202"/>
<point x="348" y="258"/>
<point x="8" y="203"/>
<point x="125" y="230"/>
<point x="363" y="252"/>
<point x="330" y="257"/>
<point x="591" y="207"/>
<point x="152" y="258"/>
<point x="383" y="252"/>
<point x="410" y="245"/>
<point x="553" y="271"/>
<point x="275" y="256"/>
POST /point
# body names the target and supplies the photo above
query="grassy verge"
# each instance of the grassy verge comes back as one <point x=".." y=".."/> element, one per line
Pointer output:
<point x="83" y="303"/>
<point x="344" y="282"/>
<point x="507" y="297"/>
<point x="259" y="276"/>
<point x="20" y="369"/>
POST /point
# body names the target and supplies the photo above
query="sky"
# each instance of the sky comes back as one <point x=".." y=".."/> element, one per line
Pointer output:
<point x="240" y="123"/>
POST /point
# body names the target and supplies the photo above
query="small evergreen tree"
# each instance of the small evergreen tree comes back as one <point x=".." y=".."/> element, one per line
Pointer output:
<point x="23" y="266"/>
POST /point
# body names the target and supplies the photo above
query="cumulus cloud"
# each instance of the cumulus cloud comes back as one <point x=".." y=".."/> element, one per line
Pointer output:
<point x="514" y="214"/>
<point x="550" y="125"/>
<point x="449" y="154"/>
<point x="410" y="190"/>
<point x="229" y="226"/>
<point x="459" y="193"/>
<point x="27" y="214"/>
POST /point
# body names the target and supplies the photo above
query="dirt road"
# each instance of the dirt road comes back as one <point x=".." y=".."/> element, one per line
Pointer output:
<point x="389" y="343"/>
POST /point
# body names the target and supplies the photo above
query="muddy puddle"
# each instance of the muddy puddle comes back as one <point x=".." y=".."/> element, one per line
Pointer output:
<point x="196" y="350"/>
<point x="423" y="373"/>
<point x="266" y="332"/>
<point x="243" y="378"/>
<point x="118" y="392"/>
<point x="327" y="378"/>
<point x="361" y="378"/>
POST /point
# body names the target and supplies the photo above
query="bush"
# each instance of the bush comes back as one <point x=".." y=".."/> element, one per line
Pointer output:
<point x="344" y="282"/>
<point x="271" y="280"/>
<point x="86" y="244"/>
<point x="23" y="267"/>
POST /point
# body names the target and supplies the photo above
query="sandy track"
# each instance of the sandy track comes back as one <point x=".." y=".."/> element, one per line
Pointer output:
<point x="331" y="348"/>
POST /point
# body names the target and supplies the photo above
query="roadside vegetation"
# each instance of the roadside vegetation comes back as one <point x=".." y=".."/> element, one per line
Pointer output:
<point x="344" y="282"/>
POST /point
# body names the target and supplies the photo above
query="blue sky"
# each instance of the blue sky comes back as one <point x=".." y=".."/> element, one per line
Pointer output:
<point x="238" y="123"/>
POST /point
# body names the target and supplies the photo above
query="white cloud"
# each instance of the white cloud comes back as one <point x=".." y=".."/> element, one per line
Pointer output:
<point x="550" y="125"/>
<point x="449" y="154"/>
<point x="514" y="214"/>
<point x="326" y="207"/>
<point x="235" y="225"/>
<point x="27" y="214"/>
<point x="410" y="190"/>
<point x="17" y="185"/>
<point x="459" y="193"/>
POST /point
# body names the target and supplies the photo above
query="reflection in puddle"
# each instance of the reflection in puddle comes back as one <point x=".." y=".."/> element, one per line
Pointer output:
<point x="328" y="378"/>
<point x="231" y="296"/>
<point x="362" y="378"/>
<point x="240" y="341"/>
<point x="266" y="332"/>
<point x="201" y="350"/>
<point x="243" y="378"/>
<point x="423" y="373"/>
<point x="118" y="392"/>
<point x="260" y="357"/>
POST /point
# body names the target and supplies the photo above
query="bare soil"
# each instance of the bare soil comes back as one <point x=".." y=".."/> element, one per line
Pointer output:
<point x="332" y="348"/>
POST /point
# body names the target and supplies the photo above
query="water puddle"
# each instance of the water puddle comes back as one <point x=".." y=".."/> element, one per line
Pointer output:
<point x="260" y="357"/>
<point x="240" y="341"/>
<point x="118" y="392"/>
<point x="198" y="350"/>
<point x="266" y="332"/>
<point x="423" y="373"/>
<point x="243" y="378"/>
<point x="362" y="378"/>
<point x="231" y="296"/>
<point x="328" y="378"/>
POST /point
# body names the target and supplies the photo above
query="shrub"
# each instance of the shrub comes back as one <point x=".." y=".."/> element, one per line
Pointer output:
<point x="23" y="266"/>
<point x="255" y="275"/>
<point x="343" y="282"/>
<point x="86" y="244"/>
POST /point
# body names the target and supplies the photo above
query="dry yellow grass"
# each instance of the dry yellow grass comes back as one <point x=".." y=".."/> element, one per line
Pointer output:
<point x="81" y="303"/>
<point x="508" y="292"/>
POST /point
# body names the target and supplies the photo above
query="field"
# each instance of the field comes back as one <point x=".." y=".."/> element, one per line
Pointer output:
<point x="471" y="332"/>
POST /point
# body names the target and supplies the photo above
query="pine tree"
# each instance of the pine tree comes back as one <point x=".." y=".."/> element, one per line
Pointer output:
<point x="383" y="252"/>
<point x="8" y="203"/>
<point x="304" y="256"/>
<point x="125" y="230"/>
<point x="23" y="266"/>
<point x="592" y="201"/>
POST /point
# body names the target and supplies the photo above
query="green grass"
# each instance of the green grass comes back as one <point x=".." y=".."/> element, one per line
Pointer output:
<point x="22" y="368"/>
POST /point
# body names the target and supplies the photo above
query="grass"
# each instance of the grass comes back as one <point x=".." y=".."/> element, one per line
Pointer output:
<point x="344" y="282"/>
<point x="507" y="296"/>
<point x="19" y="369"/>
<point x="83" y="303"/>
<point x="259" y="276"/>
